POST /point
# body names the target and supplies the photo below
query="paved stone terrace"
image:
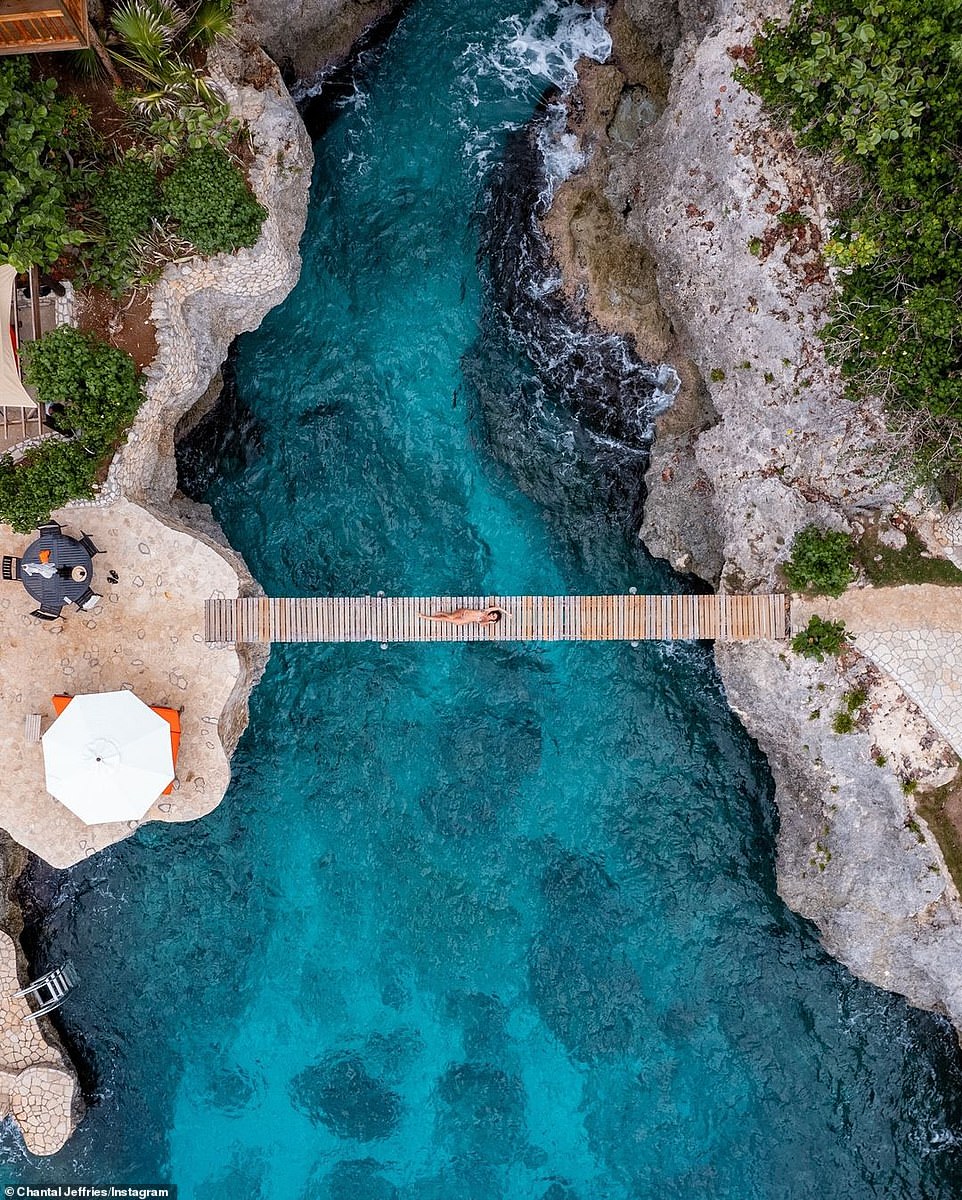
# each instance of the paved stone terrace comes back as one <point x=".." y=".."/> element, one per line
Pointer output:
<point x="36" y="1088"/>
<point x="147" y="635"/>
<point x="914" y="634"/>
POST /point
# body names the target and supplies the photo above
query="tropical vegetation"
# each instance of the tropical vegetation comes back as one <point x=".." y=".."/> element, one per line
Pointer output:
<point x="95" y="390"/>
<point x="820" y="562"/>
<point x="34" y="193"/>
<point x="820" y="638"/>
<point x="108" y="206"/>
<point x="211" y="203"/>
<point x="877" y="85"/>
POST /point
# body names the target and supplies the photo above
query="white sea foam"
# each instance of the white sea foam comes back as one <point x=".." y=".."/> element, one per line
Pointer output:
<point x="542" y="51"/>
<point x="560" y="155"/>
<point x="546" y="48"/>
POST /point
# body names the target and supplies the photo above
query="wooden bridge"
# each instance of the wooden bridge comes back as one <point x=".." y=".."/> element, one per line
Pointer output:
<point x="530" y="618"/>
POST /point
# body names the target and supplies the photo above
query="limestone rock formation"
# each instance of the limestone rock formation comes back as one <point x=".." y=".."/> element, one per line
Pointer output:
<point x="304" y="37"/>
<point x="671" y="236"/>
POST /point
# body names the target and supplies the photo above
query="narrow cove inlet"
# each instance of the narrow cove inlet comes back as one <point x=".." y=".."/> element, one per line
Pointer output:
<point x="473" y="921"/>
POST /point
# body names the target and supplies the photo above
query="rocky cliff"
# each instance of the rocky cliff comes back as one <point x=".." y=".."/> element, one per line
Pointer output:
<point x="671" y="235"/>
<point x="306" y="37"/>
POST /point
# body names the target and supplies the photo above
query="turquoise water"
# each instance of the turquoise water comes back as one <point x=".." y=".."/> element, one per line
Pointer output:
<point x="473" y="922"/>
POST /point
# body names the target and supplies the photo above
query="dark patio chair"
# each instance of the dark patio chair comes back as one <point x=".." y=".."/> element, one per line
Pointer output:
<point x="50" y="527"/>
<point x="88" y="544"/>
<point x="89" y="599"/>
<point x="42" y="615"/>
<point x="11" y="567"/>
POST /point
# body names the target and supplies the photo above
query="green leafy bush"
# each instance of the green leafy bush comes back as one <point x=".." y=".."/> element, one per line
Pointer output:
<point x="99" y="390"/>
<point x="125" y="198"/>
<point x="97" y="385"/>
<point x="820" y="638"/>
<point x="877" y="83"/>
<point x="47" y="478"/>
<point x="843" y="722"/>
<point x="187" y="127"/>
<point x="820" y="562"/>
<point x="33" y="181"/>
<point x="209" y="199"/>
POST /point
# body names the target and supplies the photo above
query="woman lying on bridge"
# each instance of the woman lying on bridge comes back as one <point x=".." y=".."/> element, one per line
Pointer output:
<point x="469" y="616"/>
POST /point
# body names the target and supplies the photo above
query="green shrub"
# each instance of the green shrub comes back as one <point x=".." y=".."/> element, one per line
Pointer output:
<point x="99" y="390"/>
<point x="33" y="180"/>
<point x="125" y="198"/>
<point x="877" y="83"/>
<point x="820" y="562"/>
<point x="820" y="638"/>
<point x="843" y="722"/>
<point x="46" y="479"/>
<point x="97" y="385"/>
<point x="209" y="199"/>
<point x="854" y="699"/>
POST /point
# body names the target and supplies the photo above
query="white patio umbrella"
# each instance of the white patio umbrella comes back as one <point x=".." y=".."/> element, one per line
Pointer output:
<point x="108" y="757"/>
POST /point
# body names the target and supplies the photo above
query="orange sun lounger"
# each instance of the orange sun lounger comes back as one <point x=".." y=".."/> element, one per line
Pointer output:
<point x="170" y="715"/>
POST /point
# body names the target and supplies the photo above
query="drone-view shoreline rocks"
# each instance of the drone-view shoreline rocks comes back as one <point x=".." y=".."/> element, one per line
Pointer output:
<point x="652" y="239"/>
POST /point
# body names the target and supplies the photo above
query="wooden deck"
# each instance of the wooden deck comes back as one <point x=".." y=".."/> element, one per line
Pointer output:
<point x="32" y="26"/>
<point x="532" y="619"/>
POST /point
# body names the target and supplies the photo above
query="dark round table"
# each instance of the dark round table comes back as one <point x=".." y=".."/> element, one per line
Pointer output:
<point x="71" y="577"/>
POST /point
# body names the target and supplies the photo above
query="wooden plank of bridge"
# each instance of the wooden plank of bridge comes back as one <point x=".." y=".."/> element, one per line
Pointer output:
<point x="742" y="619"/>
<point x="640" y="609"/>
<point x="736" y="618"/>
<point x="707" y="613"/>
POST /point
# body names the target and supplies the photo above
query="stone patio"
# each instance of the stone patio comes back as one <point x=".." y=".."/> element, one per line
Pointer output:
<point x="145" y="635"/>
<point x="36" y="1087"/>
<point x="913" y="634"/>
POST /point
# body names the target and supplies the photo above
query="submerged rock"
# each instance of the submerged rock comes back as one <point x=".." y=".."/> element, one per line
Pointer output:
<point x="587" y="992"/>
<point x="483" y="1112"/>
<point x="338" y="1092"/>
<point x="353" y="1179"/>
